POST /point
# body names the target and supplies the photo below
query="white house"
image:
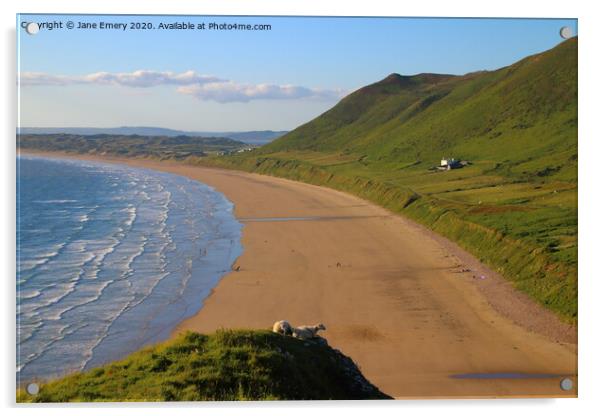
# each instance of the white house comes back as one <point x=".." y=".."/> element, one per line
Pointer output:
<point x="449" y="163"/>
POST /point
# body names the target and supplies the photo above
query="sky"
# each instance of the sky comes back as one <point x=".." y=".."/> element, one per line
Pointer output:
<point x="206" y="79"/>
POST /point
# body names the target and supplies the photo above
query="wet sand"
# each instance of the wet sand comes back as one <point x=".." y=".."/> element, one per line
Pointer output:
<point x="394" y="297"/>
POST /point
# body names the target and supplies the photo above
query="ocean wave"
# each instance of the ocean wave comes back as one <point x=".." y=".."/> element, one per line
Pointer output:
<point x="131" y="211"/>
<point x="40" y="350"/>
<point x="28" y="294"/>
<point x="27" y="265"/>
<point x="101" y="251"/>
<point x="83" y="218"/>
<point x="93" y="295"/>
<point x="56" y="201"/>
<point x="39" y="258"/>
<point x="128" y="269"/>
<point x="50" y="297"/>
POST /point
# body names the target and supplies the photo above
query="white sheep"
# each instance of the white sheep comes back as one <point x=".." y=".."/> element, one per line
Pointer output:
<point x="307" y="331"/>
<point x="282" y="327"/>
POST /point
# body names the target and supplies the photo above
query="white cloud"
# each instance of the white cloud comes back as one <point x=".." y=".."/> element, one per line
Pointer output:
<point x="140" y="78"/>
<point x="230" y="92"/>
<point x="40" y="78"/>
<point x="148" y="78"/>
<point x="203" y="87"/>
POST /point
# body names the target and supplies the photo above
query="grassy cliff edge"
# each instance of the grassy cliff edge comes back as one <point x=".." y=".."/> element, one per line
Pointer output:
<point x="226" y="365"/>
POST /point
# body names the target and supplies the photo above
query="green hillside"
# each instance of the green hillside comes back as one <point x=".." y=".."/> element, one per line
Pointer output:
<point x="514" y="205"/>
<point x="226" y="365"/>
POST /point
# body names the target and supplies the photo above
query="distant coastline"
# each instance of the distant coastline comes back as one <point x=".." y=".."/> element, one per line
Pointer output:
<point x="254" y="137"/>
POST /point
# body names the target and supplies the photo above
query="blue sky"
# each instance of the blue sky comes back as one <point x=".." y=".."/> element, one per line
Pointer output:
<point x="246" y="80"/>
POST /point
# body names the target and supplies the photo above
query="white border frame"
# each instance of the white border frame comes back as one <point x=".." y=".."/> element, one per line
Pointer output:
<point x="589" y="195"/>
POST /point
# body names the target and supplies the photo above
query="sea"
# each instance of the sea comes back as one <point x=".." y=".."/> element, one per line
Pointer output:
<point x="111" y="258"/>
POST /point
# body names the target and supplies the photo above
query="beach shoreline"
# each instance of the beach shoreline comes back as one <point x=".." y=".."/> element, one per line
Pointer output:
<point x="413" y="309"/>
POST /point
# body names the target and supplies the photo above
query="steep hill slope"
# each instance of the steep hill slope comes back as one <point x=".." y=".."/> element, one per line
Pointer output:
<point x="514" y="205"/>
<point x="516" y="113"/>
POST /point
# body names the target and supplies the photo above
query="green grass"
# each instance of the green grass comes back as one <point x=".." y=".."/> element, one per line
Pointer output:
<point x="226" y="365"/>
<point x="514" y="207"/>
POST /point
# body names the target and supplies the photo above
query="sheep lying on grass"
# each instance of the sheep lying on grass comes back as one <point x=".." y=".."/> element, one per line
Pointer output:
<point x="303" y="332"/>
<point x="307" y="332"/>
<point x="282" y="327"/>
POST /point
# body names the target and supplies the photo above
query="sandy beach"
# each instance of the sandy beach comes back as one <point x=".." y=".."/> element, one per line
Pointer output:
<point x="420" y="316"/>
